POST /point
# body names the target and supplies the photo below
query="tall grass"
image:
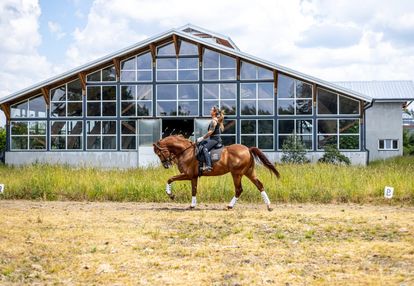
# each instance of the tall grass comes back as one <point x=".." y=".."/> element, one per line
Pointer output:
<point x="299" y="183"/>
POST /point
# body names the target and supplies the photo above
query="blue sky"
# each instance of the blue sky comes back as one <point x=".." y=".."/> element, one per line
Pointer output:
<point x="333" y="40"/>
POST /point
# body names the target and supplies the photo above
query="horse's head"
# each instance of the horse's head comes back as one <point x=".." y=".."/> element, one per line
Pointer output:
<point x="164" y="154"/>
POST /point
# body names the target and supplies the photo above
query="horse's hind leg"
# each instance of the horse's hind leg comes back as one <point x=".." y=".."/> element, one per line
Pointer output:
<point x="252" y="177"/>
<point x="238" y="189"/>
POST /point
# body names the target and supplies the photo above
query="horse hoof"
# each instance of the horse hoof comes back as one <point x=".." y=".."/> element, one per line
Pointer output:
<point x="172" y="197"/>
<point x="191" y="207"/>
<point x="269" y="209"/>
<point x="229" y="208"/>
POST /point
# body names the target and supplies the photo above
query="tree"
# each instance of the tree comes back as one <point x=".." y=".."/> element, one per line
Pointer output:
<point x="333" y="156"/>
<point x="2" y="139"/>
<point x="294" y="151"/>
<point x="408" y="142"/>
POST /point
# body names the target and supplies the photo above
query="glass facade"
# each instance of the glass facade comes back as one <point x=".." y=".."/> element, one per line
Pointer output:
<point x="123" y="113"/>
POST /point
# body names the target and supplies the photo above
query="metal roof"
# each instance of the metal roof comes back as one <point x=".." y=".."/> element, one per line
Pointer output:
<point x="386" y="91"/>
<point x="180" y="33"/>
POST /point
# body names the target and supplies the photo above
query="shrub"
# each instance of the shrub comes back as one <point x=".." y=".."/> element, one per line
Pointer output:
<point x="294" y="151"/>
<point x="2" y="139"/>
<point x="333" y="156"/>
<point x="408" y="142"/>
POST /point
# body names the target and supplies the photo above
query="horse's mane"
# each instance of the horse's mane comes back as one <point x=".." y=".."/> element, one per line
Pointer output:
<point x="179" y="137"/>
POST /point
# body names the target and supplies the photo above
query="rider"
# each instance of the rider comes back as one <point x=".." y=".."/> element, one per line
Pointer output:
<point x="213" y="136"/>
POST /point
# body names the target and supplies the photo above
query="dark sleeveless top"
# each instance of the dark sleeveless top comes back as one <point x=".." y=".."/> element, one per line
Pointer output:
<point x="216" y="135"/>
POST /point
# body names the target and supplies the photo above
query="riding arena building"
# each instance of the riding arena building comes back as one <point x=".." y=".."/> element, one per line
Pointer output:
<point x="109" y="112"/>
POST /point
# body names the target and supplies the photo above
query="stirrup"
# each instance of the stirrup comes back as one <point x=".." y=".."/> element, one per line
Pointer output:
<point x="207" y="169"/>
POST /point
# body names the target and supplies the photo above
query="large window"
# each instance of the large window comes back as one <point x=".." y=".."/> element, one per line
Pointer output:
<point x="301" y="129"/>
<point x="166" y="50"/>
<point x="107" y="74"/>
<point x="173" y="69"/>
<point x="28" y="135"/>
<point x="66" y="100"/>
<point x="138" y="68"/>
<point x="222" y="95"/>
<point x="101" y="100"/>
<point x="250" y="71"/>
<point x="341" y="133"/>
<point x="66" y="135"/>
<point x="33" y="107"/>
<point x="188" y="49"/>
<point x="256" y="99"/>
<point x="136" y="100"/>
<point x="177" y="100"/>
<point x="128" y="134"/>
<point x="330" y="103"/>
<point x="228" y="135"/>
<point x="218" y="66"/>
<point x="149" y="131"/>
<point x="100" y="135"/>
<point x="258" y="133"/>
<point x="294" y="96"/>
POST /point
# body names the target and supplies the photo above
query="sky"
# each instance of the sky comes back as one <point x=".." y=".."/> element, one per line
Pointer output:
<point x="334" y="40"/>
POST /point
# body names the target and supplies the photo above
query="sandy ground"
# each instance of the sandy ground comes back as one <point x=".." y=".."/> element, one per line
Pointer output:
<point x="79" y="243"/>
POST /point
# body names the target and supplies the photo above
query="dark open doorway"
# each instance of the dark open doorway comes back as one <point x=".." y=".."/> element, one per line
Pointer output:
<point x="184" y="127"/>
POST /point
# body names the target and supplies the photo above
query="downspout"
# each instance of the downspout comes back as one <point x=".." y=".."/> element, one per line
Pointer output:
<point x="366" y="106"/>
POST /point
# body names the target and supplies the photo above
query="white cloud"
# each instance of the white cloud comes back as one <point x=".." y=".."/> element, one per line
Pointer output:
<point x="21" y="65"/>
<point x="56" y="29"/>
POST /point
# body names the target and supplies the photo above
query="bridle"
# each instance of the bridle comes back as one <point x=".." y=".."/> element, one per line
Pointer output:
<point x="167" y="161"/>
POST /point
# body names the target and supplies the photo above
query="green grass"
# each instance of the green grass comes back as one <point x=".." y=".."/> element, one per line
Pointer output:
<point x="299" y="183"/>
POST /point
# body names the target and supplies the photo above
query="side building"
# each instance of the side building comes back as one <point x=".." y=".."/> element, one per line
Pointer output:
<point x="108" y="113"/>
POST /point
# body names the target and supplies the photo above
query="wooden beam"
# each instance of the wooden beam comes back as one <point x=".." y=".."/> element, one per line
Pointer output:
<point x="200" y="53"/>
<point x="117" y="64"/>
<point x="82" y="78"/>
<point x="275" y="73"/>
<point x="361" y="110"/>
<point x="314" y="89"/>
<point x="238" y="62"/>
<point x="153" y="52"/>
<point x="45" y="92"/>
<point x="6" y="109"/>
<point x="176" y="45"/>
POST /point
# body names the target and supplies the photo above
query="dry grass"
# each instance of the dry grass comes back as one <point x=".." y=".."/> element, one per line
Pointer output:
<point x="163" y="244"/>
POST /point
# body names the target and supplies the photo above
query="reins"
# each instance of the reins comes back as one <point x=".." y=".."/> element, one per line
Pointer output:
<point x="170" y="159"/>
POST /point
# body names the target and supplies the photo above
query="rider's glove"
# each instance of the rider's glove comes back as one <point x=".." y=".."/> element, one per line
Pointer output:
<point x="200" y="139"/>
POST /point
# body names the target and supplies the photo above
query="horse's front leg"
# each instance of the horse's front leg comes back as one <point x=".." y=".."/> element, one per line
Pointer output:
<point x="168" y="188"/>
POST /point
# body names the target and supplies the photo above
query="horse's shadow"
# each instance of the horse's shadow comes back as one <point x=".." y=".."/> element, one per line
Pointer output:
<point x="186" y="209"/>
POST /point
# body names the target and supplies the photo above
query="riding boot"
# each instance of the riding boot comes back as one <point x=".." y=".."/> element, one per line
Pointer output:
<point x="207" y="158"/>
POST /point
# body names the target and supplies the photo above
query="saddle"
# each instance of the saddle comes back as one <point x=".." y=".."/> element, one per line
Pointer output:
<point x="215" y="155"/>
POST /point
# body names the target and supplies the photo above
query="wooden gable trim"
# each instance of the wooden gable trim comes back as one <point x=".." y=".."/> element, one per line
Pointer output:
<point x="82" y="78"/>
<point x="153" y="52"/>
<point x="275" y="82"/>
<point x="45" y="92"/>
<point x="200" y="53"/>
<point x="6" y="109"/>
<point x="238" y="63"/>
<point x="117" y="65"/>
<point x="314" y="89"/>
<point x="176" y="45"/>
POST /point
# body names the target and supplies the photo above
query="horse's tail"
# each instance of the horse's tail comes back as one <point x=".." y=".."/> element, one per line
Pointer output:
<point x="257" y="154"/>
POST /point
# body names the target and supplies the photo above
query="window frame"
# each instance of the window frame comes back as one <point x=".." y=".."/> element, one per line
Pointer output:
<point x="177" y="100"/>
<point x="338" y="95"/>
<point x="66" y="102"/>
<point x="219" y="68"/>
<point x="295" y="134"/>
<point x="28" y="135"/>
<point x="257" y="99"/>
<point x="392" y="144"/>
<point x="100" y="71"/>
<point x="28" y="107"/>
<point x="136" y="101"/>
<point x="101" y="101"/>
<point x="219" y="99"/>
<point x="65" y="135"/>
<point x="136" y="70"/>
<point x="338" y="134"/>
<point x="295" y="98"/>
<point x="177" y="69"/>
<point x="101" y="135"/>
<point x="257" y="134"/>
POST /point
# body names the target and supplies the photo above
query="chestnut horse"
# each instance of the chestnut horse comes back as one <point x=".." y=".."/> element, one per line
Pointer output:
<point x="237" y="159"/>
